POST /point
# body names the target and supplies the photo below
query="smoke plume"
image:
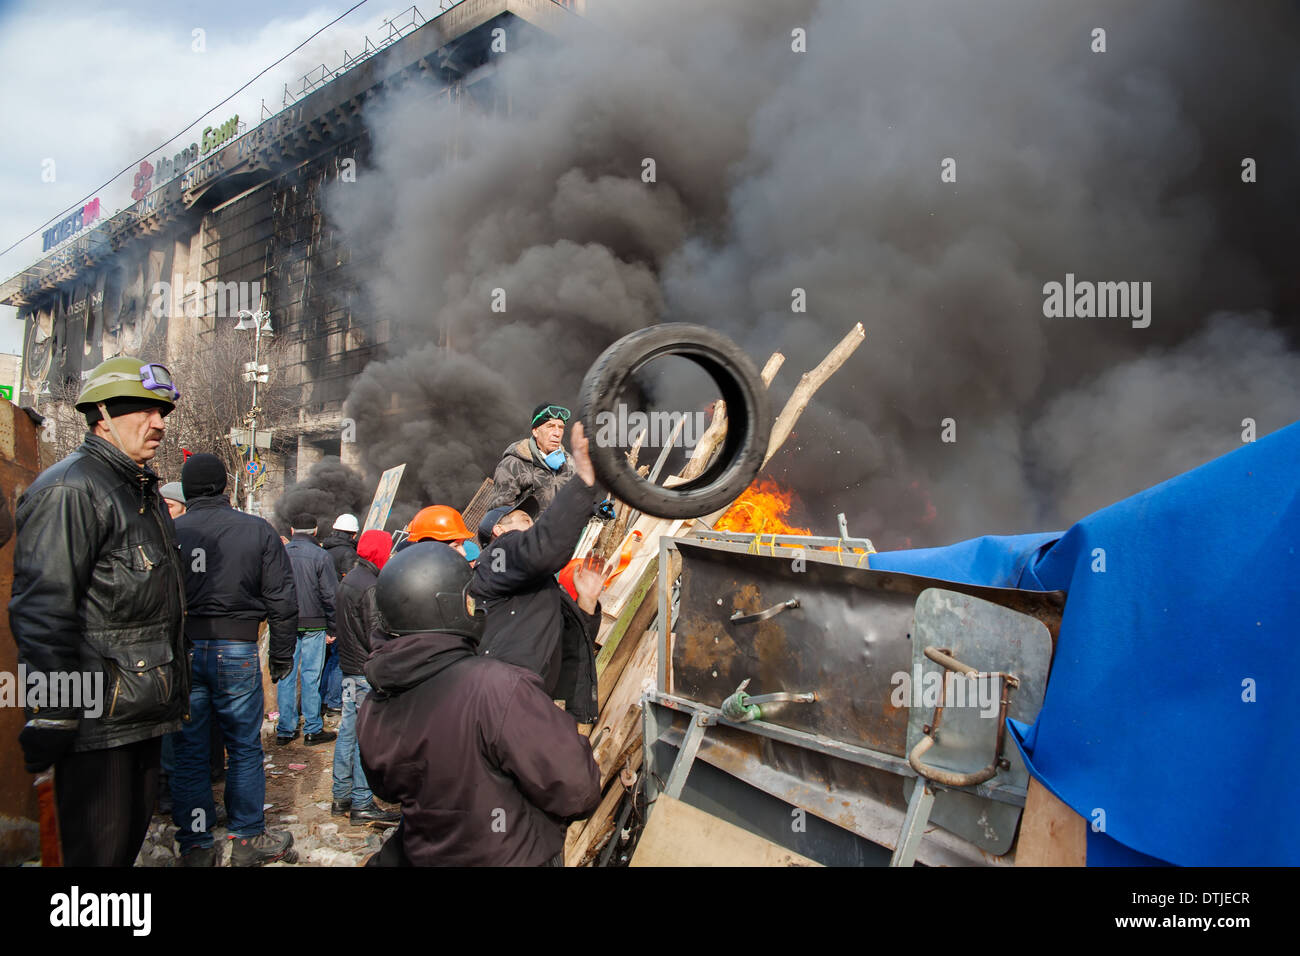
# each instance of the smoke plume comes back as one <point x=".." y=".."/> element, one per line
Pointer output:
<point x="776" y="170"/>
<point x="330" y="489"/>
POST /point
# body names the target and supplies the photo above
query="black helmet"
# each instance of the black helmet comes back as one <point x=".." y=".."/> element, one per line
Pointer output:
<point x="422" y="588"/>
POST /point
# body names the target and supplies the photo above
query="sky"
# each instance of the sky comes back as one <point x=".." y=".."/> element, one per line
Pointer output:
<point x="96" y="86"/>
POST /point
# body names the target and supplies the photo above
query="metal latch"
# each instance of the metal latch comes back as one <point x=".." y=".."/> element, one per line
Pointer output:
<point x="741" y="707"/>
<point x="773" y="611"/>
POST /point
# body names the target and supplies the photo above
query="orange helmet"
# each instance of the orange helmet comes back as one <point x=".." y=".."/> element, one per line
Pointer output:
<point x="439" y="523"/>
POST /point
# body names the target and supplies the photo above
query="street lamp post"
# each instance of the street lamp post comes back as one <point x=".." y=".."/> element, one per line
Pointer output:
<point x="254" y="372"/>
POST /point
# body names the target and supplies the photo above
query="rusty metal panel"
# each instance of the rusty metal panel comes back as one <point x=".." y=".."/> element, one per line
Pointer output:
<point x="862" y="800"/>
<point x="847" y="639"/>
<point x="19" y="455"/>
<point x="988" y="638"/>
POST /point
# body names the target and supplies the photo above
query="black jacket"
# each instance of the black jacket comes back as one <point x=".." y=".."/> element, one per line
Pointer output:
<point x="487" y="770"/>
<point x="357" y="615"/>
<point x="98" y="589"/>
<point x="342" y="549"/>
<point x="237" y="574"/>
<point x="531" y="620"/>
<point x="315" y="582"/>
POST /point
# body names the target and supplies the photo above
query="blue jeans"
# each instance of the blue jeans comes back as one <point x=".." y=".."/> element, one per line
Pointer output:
<point x="308" y="659"/>
<point x="226" y="686"/>
<point x="331" y="682"/>
<point x="349" y="777"/>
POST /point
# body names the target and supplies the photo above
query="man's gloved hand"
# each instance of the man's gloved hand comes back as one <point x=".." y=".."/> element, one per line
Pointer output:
<point x="280" y="669"/>
<point x="43" y="746"/>
<point x="605" y="510"/>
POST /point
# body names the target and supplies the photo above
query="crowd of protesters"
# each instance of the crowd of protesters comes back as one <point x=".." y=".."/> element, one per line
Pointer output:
<point x="443" y="655"/>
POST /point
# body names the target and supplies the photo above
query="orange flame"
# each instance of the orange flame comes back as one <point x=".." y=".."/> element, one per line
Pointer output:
<point x="761" y="509"/>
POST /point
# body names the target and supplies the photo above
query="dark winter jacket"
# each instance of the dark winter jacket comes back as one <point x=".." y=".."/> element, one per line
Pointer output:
<point x="531" y="620"/>
<point x="98" y="590"/>
<point x="522" y="472"/>
<point x="357" y="612"/>
<point x="487" y="770"/>
<point x="342" y="549"/>
<point x="237" y="574"/>
<point x="315" y="582"/>
<point x="358" y="615"/>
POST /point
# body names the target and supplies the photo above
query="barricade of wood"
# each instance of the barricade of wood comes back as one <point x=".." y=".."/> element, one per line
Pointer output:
<point x="628" y="638"/>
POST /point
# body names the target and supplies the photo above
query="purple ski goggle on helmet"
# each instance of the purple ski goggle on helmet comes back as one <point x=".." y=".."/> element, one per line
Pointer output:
<point x="156" y="378"/>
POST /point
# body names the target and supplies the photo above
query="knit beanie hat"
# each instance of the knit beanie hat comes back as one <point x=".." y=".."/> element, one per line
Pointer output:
<point x="203" y="476"/>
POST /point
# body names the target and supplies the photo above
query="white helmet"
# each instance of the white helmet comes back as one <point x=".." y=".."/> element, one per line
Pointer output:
<point x="347" y="523"/>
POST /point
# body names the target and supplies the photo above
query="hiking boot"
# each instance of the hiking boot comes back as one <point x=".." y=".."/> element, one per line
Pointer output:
<point x="340" y="807"/>
<point x="201" y="856"/>
<point x="324" y="737"/>
<point x="266" y="847"/>
<point x="373" y="814"/>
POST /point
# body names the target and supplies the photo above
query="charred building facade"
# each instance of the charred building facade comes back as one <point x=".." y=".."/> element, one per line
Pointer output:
<point x="236" y="221"/>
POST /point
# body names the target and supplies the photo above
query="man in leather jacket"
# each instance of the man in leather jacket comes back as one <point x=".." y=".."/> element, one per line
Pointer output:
<point x="99" y="595"/>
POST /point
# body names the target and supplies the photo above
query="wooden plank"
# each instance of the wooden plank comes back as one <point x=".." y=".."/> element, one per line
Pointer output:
<point x="679" y="834"/>
<point x="586" y="837"/>
<point x="609" y="643"/>
<point x="651" y="528"/>
<point x="623" y="729"/>
<point x="1051" y="834"/>
<point x="616" y="725"/>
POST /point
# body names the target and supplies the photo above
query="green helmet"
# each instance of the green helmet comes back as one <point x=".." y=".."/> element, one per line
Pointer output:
<point x="128" y="377"/>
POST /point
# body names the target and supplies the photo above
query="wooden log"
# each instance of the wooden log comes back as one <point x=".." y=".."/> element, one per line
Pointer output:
<point x="714" y="435"/>
<point x="708" y="444"/>
<point x="586" y="837"/>
<point x="614" y="727"/>
<point x="771" y="367"/>
<point x="608" y="546"/>
<point x="809" y="382"/>
<point x="615" y="742"/>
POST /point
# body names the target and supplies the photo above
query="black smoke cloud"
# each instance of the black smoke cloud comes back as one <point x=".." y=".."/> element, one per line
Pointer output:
<point x="820" y="170"/>
<point x="330" y="489"/>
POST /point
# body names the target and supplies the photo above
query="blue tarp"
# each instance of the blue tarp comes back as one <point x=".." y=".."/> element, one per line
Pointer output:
<point x="1171" y="716"/>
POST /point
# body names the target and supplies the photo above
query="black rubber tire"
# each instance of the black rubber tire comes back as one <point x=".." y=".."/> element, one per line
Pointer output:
<point x="749" y="421"/>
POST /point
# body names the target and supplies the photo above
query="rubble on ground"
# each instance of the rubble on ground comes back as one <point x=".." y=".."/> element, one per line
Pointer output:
<point x="299" y="802"/>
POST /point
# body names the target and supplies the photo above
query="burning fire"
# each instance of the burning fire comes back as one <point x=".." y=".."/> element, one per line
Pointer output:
<point x="762" y="509"/>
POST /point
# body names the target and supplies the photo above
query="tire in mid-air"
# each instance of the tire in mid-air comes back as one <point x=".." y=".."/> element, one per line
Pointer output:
<point x="749" y="422"/>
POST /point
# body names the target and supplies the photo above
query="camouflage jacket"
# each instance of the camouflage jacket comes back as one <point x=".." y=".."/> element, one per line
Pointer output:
<point x="522" y="472"/>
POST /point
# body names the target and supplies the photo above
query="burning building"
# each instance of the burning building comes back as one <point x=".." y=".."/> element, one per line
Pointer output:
<point x="776" y="170"/>
<point x="235" y="222"/>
